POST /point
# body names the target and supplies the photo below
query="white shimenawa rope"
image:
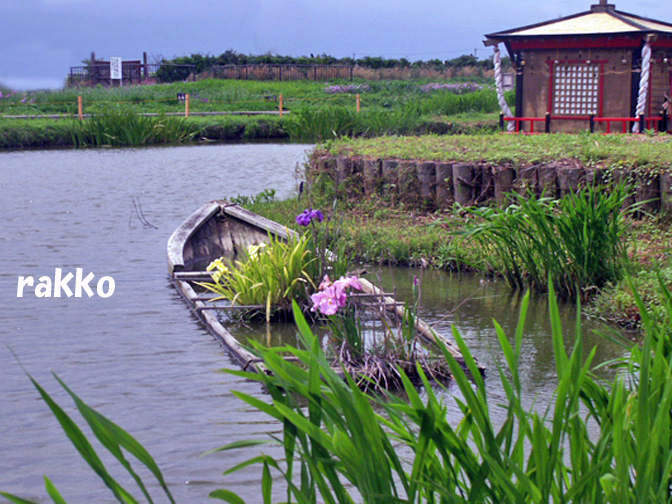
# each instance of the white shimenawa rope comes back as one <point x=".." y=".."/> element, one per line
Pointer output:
<point x="497" y="60"/>
<point x="643" y="85"/>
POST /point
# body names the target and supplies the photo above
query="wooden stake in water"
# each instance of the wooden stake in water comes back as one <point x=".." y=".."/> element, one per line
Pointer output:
<point x="280" y="105"/>
<point x="79" y="107"/>
<point x="186" y="105"/>
<point x="358" y="103"/>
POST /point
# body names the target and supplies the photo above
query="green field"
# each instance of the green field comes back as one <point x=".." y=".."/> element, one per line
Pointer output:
<point x="228" y="95"/>
<point x="315" y="111"/>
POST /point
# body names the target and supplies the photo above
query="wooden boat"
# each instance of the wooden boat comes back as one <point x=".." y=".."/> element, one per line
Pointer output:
<point x="220" y="228"/>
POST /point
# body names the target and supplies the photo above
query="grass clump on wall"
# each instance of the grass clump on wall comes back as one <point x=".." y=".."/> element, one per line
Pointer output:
<point x="617" y="151"/>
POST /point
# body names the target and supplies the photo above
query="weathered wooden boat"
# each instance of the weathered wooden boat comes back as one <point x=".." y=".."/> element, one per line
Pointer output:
<point x="222" y="229"/>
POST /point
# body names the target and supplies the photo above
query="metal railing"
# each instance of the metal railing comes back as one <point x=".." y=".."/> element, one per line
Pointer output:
<point x="132" y="73"/>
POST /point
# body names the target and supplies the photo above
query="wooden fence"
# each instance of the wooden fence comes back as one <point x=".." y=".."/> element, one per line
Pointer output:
<point x="282" y="72"/>
<point x="133" y="72"/>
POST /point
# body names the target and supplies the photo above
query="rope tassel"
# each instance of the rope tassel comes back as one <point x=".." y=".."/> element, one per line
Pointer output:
<point x="642" y="97"/>
<point x="497" y="61"/>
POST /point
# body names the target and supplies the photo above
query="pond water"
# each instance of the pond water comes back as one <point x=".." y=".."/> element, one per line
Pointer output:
<point x="139" y="356"/>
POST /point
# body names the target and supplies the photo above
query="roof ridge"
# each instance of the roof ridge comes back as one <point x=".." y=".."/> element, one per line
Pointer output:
<point x="657" y="21"/>
<point x="626" y="20"/>
<point x="537" y="25"/>
<point x="632" y="20"/>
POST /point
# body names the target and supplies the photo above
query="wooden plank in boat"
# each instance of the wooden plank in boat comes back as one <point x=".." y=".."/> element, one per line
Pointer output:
<point x="259" y="221"/>
<point x="193" y="275"/>
<point x="231" y="307"/>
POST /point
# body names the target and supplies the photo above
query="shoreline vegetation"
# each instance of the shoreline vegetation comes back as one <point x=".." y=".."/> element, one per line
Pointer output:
<point x="313" y="111"/>
<point x="597" y="442"/>
<point x="375" y="229"/>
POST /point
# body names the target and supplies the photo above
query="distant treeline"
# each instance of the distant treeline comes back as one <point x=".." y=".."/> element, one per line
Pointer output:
<point x="203" y="63"/>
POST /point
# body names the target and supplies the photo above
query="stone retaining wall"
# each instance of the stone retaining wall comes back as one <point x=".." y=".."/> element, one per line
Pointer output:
<point x="431" y="185"/>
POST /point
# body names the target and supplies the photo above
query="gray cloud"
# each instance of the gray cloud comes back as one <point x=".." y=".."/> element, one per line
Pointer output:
<point x="41" y="39"/>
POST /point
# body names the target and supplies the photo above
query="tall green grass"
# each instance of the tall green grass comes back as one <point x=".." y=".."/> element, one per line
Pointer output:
<point x="121" y="126"/>
<point x="577" y="242"/>
<point x="447" y="103"/>
<point x="388" y="107"/>
<point x="595" y="443"/>
<point x="113" y="438"/>
<point x="616" y="302"/>
<point x="217" y="94"/>
<point x="326" y="123"/>
<point x="27" y="133"/>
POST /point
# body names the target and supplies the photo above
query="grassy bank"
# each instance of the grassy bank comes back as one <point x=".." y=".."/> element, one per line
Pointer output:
<point x="618" y="151"/>
<point x="647" y="241"/>
<point x="226" y="95"/>
<point x="41" y="133"/>
<point x="374" y="232"/>
<point x="318" y="111"/>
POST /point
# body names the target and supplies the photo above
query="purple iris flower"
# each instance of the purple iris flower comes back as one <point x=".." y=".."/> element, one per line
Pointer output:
<point x="305" y="217"/>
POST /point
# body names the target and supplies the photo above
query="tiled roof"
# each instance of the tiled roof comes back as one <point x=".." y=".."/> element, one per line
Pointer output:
<point x="600" y="20"/>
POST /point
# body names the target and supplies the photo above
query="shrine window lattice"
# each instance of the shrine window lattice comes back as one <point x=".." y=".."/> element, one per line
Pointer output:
<point x="576" y="89"/>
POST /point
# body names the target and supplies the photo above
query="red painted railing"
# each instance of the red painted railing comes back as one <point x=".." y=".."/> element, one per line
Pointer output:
<point x="651" y="122"/>
<point x="532" y="120"/>
<point x="655" y="123"/>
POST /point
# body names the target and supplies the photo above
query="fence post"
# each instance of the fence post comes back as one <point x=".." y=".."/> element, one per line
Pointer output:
<point x="186" y="105"/>
<point x="501" y="121"/>
<point x="79" y="107"/>
<point x="642" y="123"/>
<point x="591" y="123"/>
<point x="145" y="66"/>
<point x="663" y="122"/>
<point x="547" y="122"/>
<point x="280" y="104"/>
<point x="358" y="102"/>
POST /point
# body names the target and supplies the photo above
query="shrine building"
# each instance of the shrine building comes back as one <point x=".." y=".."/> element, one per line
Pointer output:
<point x="602" y="69"/>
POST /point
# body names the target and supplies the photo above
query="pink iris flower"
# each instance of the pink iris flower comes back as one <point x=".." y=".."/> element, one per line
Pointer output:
<point x="332" y="296"/>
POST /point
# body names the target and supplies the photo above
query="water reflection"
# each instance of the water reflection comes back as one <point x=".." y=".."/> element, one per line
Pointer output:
<point x="471" y="304"/>
<point x="139" y="356"/>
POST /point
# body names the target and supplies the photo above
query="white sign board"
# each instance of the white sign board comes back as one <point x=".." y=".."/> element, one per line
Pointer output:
<point x="115" y="67"/>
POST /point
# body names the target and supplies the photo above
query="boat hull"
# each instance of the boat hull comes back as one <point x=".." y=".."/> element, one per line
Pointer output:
<point x="221" y="229"/>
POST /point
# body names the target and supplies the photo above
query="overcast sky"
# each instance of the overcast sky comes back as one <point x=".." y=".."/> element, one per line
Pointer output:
<point x="41" y="39"/>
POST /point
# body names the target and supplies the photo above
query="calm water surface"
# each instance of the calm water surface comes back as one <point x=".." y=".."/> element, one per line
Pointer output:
<point x="139" y="356"/>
